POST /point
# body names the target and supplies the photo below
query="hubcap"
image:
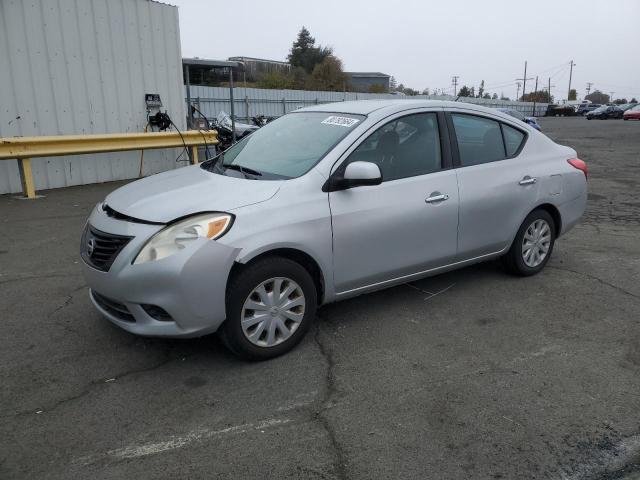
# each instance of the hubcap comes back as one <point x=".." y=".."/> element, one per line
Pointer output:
<point x="273" y="311"/>
<point x="536" y="243"/>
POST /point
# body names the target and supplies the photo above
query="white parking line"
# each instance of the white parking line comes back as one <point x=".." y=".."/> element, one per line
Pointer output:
<point x="134" y="451"/>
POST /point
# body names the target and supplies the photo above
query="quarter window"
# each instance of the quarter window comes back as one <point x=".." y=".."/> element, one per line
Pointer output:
<point x="512" y="139"/>
<point x="405" y="147"/>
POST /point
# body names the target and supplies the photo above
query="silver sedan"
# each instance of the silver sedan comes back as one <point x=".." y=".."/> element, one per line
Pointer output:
<point x="323" y="204"/>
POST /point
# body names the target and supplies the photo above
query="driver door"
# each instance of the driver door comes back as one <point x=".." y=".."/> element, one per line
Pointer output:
<point x="407" y="224"/>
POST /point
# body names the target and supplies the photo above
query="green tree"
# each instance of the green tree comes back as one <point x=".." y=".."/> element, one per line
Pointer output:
<point x="377" y="89"/>
<point x="620" y="101"/>
<point x="298" y="78"/>
<point x="597" y="97"/>
<point x="274" y="79"/>
<point x="487" y="96"/>
<point x="633" y="100"/>
<point x="392" y="83"/>
<point x="328" y="75"/>
<point x="494" y="96"/>
<point x="426" y="91"/>
<point x="541" y="96"/>
<point x="573" y="94"/>
<point x="481" y="89"/>
<point x="304" y="52"/>
<point x="465" y="92"/>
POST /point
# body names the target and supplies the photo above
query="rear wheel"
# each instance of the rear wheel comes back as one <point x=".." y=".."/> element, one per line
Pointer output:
<point x="270" y="306"/>
<point x="532" y="246"/>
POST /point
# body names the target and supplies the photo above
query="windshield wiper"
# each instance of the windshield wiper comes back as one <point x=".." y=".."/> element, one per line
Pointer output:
<point x="243" y="170"/>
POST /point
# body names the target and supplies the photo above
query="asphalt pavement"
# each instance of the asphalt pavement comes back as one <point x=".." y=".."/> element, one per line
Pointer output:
<point x="473" y="374"/>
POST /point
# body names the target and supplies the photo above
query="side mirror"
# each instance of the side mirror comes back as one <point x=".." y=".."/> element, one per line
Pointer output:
<point x="355" y="175"/>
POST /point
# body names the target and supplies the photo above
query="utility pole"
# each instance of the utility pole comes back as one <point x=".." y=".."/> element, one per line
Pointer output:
<point x="518" y="85"/>
<point x="454" y="80"/>
<point x="611" y="97"/>
<point x="524" y="79"/>
<point x="570" y="74"/>
<point x="589" y="87"/>
<point x="535" y="94"/>
<point x="549" y="89"/>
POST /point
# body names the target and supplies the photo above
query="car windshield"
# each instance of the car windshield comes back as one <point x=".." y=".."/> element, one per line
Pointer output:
<point x="636" y="108"/>
<point x="287" y="147"/>
<point x="601" y="109"/>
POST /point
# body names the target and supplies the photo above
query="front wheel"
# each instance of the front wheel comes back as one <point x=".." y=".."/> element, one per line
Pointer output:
<point x="270" y="306"/>
<point x="532" y="246"/>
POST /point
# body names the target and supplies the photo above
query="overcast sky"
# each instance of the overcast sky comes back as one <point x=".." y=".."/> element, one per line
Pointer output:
<point x="424" y="43"/>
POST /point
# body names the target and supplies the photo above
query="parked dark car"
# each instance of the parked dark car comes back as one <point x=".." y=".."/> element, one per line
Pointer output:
<point x="605" y="112"/>
<point x="520" y="116"/>
<point x="585" y="108"/>
<point x="560" y="111"/>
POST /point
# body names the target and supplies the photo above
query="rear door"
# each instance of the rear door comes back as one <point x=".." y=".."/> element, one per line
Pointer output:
<point x="497" y="185"/>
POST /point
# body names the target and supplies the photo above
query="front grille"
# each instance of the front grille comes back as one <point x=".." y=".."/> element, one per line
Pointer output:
<point x="100" y="249"/>
<point x="115" y="308"/>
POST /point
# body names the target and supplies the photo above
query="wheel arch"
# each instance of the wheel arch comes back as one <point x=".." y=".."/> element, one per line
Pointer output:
<point x="555" y="215"/>
<point x="297" y="255"/>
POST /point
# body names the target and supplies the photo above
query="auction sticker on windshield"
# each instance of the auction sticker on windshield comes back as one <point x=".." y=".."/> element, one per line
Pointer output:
<point x="342" y="121"/>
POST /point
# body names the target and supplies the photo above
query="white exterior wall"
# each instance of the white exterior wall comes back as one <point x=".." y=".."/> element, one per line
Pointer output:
<point x="83" y="66"/>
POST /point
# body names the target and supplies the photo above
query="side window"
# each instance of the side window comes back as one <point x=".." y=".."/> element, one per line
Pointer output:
<point x="512" y="139"/>
<point x="479" y="139"/>
<point x="405" y="147"/>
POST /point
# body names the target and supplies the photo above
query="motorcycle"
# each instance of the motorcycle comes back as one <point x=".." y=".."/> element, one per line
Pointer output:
<point x="261" y="120"/>
<point x="223" y="125"/>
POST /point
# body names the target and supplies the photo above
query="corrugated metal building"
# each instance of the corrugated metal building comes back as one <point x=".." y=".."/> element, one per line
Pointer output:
<point x="80" y="66"/>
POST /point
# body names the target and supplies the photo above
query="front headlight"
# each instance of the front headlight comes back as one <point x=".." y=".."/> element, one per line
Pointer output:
<point x="179" y="235"/>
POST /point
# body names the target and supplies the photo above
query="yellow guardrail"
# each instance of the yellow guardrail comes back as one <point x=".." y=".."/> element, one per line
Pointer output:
<point x="23" y="149"/>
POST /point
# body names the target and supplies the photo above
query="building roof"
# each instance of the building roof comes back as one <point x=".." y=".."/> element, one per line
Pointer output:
<point x="368" y="74"/>
<point x="202" y="62"/>
<point x="254" y="59"/>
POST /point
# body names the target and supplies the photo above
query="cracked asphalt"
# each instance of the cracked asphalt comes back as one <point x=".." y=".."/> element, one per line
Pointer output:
<point x="469" y="375"/>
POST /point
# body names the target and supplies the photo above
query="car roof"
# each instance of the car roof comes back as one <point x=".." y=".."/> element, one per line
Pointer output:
<point x="366" y="107"/>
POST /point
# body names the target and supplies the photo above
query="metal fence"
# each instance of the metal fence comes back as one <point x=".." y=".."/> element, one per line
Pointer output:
<point x="249" y="102"/>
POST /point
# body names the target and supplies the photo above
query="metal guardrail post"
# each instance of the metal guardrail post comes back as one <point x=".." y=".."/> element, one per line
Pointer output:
<point x="194" y="155"/>
<point x="26" y="178"/>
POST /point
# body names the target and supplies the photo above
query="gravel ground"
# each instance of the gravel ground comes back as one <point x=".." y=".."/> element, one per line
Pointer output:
<point x="469" y="375"/>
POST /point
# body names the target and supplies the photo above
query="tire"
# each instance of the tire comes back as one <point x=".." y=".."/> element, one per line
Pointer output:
<point x="287" y="332"/>
<point x="515" y="260"/>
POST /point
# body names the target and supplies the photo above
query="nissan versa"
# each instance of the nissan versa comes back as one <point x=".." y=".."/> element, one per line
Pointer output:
<point x="323" y="204"/>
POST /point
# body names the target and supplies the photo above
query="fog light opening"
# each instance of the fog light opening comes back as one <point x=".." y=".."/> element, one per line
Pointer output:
<point x="157" y="313"/>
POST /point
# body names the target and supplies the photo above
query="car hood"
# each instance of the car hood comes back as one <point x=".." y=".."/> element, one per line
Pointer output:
<point x="185" y="191"/>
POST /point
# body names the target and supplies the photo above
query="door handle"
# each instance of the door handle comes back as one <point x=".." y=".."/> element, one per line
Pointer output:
<point x="437" y="198"/>
<point x="528" y="181"/>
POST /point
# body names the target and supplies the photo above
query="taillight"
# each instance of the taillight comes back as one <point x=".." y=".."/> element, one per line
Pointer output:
<point x="580" y="165"/>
